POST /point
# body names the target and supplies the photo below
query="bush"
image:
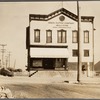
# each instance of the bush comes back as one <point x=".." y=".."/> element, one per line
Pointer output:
<point x="18" y="70"/>
<point x="10" y="69"/>
<point x="6" y="72"/>
<point x="14" y="70"/>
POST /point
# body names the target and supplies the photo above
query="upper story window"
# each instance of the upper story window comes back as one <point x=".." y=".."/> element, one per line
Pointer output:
<point x="75" y="36"/>
<point x="36" y="35"/>
<point x="75" y="53"/>
<point x="86" y="36"/>
<point x="86" y="53"/>
<point x="48" y="36"/>
<point x="61" y="36"/>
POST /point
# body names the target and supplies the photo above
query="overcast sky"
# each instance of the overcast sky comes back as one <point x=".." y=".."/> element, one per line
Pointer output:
<point x="14" y="18"/>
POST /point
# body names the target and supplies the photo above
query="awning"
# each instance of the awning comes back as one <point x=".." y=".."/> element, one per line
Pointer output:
<point x="49" y="52"/>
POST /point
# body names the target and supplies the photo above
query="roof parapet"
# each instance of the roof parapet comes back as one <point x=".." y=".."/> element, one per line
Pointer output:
<point x="58" y="12"/>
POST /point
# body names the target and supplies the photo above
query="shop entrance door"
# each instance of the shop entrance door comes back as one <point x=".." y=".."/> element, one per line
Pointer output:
<point x="48" y="63"/>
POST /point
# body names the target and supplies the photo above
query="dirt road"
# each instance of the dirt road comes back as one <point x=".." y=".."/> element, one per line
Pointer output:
<point x="60" y="90"/>
<point x="49" y="87"/>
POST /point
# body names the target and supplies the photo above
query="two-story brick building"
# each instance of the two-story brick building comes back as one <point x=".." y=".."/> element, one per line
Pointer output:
<point x="52" y="40"/>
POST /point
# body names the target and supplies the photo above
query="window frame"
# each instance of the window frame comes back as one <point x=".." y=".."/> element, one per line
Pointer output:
<point x="61" y="36"/>
<point x="86" y="36"/>
<point x="47" y="41"/>
<point x="85" y="55"/>
<point x="73" y="52"/>
<point x="35" y="38"/>
<point x="73" y="36"/>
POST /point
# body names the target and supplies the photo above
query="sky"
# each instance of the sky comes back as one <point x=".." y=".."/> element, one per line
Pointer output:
<point x="14" y="18"/>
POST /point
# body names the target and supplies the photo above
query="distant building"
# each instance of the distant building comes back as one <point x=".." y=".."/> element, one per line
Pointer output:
<point x="52" y="41"/>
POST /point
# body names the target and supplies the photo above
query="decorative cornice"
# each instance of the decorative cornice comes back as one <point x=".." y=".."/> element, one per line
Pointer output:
<point x="63" y="11"/>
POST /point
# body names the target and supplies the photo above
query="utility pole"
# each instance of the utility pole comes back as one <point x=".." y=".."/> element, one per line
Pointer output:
<point x="14" y="63"/>
<point x="3" y="51"/>
<point x="0" y="63"/>
<point x="79" y="44"/>
<point x="6" y="61"/>
<point x="9" y="54"/>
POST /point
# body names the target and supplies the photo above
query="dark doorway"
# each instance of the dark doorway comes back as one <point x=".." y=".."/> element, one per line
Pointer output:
<point x="48" y="63"/>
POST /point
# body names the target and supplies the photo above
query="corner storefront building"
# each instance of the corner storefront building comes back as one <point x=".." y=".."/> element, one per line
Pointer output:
<point x="52" y="41"/>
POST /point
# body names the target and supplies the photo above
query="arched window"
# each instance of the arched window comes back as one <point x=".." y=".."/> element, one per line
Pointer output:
<point x="61" y="36"/>
<point x="75" y="36"/>
<point x="48" y="36"/>
<point x="36" y="35"/>
<point x="86" y="36"/>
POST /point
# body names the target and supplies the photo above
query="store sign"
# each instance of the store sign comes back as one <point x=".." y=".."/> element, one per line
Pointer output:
<point x="61" y="24"/>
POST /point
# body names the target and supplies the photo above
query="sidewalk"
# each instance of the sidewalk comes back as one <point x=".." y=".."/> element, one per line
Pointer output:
<point x="92" y="80"/>
<point x="50" y="77"/>
<point x="63" y="76"/>
<point x="84" y="79"/>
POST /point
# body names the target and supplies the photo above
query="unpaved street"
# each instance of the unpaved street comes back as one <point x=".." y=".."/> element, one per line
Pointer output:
<point x="49" y="85"/>
<point x="60" y="90"/>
